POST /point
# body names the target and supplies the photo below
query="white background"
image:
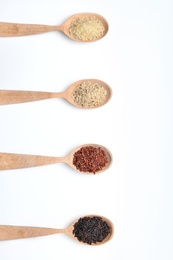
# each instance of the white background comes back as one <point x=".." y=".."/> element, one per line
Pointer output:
<point x="135" y="59"/>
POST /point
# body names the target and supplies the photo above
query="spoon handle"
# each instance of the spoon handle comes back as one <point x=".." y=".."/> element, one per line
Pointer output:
<point x="16" y="29"/>
<point x="19" y="96"/>
<point x="17" y="232"/>
<point x="15" y="161"/>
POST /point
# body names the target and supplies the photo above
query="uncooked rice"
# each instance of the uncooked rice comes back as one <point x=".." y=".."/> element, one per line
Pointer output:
<point x="86" y="28"/>
<point x="89" y="94"/>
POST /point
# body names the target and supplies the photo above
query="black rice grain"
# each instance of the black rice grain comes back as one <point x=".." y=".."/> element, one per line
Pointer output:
<point x="91" y="230"/>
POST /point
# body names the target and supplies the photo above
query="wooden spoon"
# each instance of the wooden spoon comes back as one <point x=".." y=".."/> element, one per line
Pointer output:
<point x="15" y="29"/>
<point x="16" y="161"/>
<point x="19" y="232"/>
<point x="19" y="96"/>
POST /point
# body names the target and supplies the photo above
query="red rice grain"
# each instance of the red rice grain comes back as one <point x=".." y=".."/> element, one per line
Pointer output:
<point x="90" y="159"/>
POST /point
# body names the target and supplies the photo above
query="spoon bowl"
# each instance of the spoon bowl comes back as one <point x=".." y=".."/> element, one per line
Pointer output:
<point x="75" y="17"/>
<point x="19" y="232"/>
<point x="68" y="94"/>
<point x="17" y="29"/>
<point x="10" y="161"/>
<point x="69" y="158"/>
<point x="70" y="229"/>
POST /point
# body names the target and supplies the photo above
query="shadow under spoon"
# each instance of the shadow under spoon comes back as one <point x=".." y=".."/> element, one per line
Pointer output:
<point x="10" y="161"/>
<point x="8" y="232"/>
<point x="17" y="29"/>
<point x="18" y="96"/>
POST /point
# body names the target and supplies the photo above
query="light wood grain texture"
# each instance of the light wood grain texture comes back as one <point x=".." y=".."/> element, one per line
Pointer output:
<point x="19" y="232"/>
<point x="16" y="29"/>
<point x="17" y="161"/>
<point x="17" y="96"/>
